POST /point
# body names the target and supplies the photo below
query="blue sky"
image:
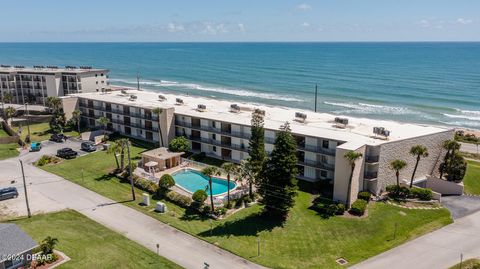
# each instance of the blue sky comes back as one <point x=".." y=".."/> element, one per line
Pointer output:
<point x="245" y="20"/>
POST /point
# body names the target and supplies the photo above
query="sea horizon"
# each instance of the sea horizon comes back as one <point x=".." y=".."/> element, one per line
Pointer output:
<point x="426" y="82"/>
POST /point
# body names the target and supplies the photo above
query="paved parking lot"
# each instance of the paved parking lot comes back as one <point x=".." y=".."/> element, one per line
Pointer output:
<point x="11" y="177"/>
<point x="461" y="206"/>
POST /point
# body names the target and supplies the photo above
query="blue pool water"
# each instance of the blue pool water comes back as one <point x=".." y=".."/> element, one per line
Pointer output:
<point x="192" y="181"/>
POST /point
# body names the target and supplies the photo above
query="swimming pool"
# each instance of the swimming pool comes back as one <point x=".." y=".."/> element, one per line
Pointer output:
<point x="192" y="180"/>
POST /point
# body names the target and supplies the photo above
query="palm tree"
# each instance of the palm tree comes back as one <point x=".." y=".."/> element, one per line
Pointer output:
<point x="210" y="172"/>
<point x="122" y="144"/>
<point x="7" y="97"/>
<point x="54" y="103"/>
<point x="397" y="165"/>
<point x="419" y="151"/>
<point x="451" y="146"/>
<point x="114" y="149"/>
<point x="247" y="172"/>
<point x="9" y="113"/>
<point x="157" y="111"/>
<point x="76" y="116"/>
<point x="230" y="169"/>
<point x="104" y="121"/>
<point x="352" y="157"/>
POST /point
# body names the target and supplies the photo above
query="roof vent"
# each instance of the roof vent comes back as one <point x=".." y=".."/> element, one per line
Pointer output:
<point x="300" y="117"/>
<point x="5" y="65"/>
<point x="133" y="97"/>
<point x="381" y="131"/>
<point x="234" y="108"/>
<point x="19" y="66"/>
<point x="259" y="111"/>
<point x="179" y="101"/>
<point x="161" y="98"/>
<point x="52" y="67"/>
<point x="341" y="122"/>
<point x="201" y="108"/>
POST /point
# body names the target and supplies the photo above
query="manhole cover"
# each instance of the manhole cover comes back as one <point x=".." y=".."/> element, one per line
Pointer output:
<point x="341" y="261"/>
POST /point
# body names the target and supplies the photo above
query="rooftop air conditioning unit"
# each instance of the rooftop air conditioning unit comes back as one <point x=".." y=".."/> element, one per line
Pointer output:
<point x="234" y="108"/>
<point x="202" y="108"/>
<point x="179" y="101"/>
<point x="161" y="98"/>
<point x="259" y="111"/>
<point x="341" y="122"/>
<point x="133" y="97"/>
<point x="301" y="117"/>
<point x="19" y="66"/>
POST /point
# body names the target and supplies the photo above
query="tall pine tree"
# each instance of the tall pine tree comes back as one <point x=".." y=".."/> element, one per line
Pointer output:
<point x="279" y="175"/>
<point x="256" y="146"/>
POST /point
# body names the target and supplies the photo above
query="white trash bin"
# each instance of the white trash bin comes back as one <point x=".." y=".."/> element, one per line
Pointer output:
<point x="146" y="199"/>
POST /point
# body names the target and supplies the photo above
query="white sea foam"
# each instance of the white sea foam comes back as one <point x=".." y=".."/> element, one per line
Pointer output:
<point x="363" y="108"/>
<point x="237" y="92"/>
<point x="472" y="117"/>
<point x="468" y="112"/>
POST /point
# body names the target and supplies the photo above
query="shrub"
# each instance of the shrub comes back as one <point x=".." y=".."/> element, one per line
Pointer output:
<point x="422" y="194"/>
<point x="328" y="207"/>
<point x="364" y="195"/>
<point x="179" y="199"/>
<point x="358" y="207"/>
<point x="247" y="200"/>
<point x="164" y="184"/>
<point x="397" y="192"/>
<point x="228" y="205"/>
<point x="46" y="159"/>
<point x="179" y="144"/>
<point x="340" y="209"/>
<point x="199" y="196"/>
<point x="238" y="202"/>
<point x="206" y="209"/>
<point x="220" y="211"/>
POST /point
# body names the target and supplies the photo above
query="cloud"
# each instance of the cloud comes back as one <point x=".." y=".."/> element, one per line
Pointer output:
<point x="241" y="27"/>
<point x="304" y="7"/>
<point x="174" y="27"/>
<point x="306" y="24"/>
<point x="463" y="21"/>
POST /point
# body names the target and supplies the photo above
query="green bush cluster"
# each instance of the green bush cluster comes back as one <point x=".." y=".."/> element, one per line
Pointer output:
<point x="46" y="159"/>
<point x="179" y="199"/>
<point x="143" y="184"/>
<point x="422" y="194"/>
<point x="328" y="207"/>
<point x="358" y="207"/>
<point x="220" y="211"/>
<point x="164" y="184"/>
<point x="396" y="192"/>
<point x="364" y="195"/>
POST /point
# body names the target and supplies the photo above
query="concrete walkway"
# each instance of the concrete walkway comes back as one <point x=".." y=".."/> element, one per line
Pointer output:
<point x="179" y="247"/>
<point x="439" y="249"/>
<point x="469" y="147"/>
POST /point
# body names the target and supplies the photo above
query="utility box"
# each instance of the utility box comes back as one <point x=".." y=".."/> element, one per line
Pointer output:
<point x="146" y="199"/>
<point x="161" y="207"/>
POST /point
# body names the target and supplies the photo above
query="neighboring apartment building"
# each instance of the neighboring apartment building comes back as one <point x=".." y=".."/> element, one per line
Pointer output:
<point x="33" y="85"/>
<point x="222" y="130"/>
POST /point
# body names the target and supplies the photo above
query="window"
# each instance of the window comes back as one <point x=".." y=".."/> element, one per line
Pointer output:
<point x="325" y="144"/>
<point x="214" y="148"/>
<point x="214" y="136"/>
<point x="96" y="75"/>
<point x="323" y="173"/>
<point x="323" y="158"/>
<point x="96" y="82"/>
<point x="101" y="74"/>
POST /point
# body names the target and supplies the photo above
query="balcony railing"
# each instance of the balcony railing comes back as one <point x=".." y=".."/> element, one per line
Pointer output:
<point x="217" y="143"/>
<point x="372" y="159"/>
<point x="317" y="149"/>
<point x="212" y="129"/>
<point x="317" y="164"/>
<point x="370" y="175"/>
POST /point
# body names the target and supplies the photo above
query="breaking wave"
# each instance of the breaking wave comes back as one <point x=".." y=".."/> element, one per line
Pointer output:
<point x="363" y="108"/>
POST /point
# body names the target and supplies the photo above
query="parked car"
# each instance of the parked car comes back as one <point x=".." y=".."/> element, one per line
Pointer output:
<point x="66" y="153"/>
<point x="88" y="146"/>
<point x="35" y="146"/>
<point x="58" y="138"/>
<point x="8" y="193"/>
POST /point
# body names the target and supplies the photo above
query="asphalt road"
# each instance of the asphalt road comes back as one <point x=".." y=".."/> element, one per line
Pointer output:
<point x="48" y="192"/>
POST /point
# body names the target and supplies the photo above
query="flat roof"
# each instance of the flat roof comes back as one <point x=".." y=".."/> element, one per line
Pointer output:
<point x="161" y="153"/>
<point x="32" y="70"/>
<point x="322" y="125"/>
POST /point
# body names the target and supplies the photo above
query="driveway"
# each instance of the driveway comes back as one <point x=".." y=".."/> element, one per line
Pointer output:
<point x="179" y="247"/>
<point x="461" y="206"/>
<point x="469" y="147"/>
<point x="439" y="249"/>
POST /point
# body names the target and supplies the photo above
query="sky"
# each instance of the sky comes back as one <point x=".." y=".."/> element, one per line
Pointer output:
<point x="241" y="20"/>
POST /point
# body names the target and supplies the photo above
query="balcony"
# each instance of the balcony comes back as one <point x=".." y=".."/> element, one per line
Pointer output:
<point x="211" y="129"/>
<point x="370" y="175"/>
<point x="216" y="142"/>
<point x="317" y="149"/>
<point x="317" y="164"/>
<point x="372" y="159"/>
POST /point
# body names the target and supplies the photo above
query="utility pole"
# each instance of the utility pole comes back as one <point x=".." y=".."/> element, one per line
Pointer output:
<point x="28" y="121"/>
<point x="130" y="170"/>
<point x="138" y="81"/>
<point x="316" y="91"/>
<point x="25" y="189"/>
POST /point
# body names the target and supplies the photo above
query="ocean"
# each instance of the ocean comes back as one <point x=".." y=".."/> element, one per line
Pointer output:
<point x="428" y="83"/>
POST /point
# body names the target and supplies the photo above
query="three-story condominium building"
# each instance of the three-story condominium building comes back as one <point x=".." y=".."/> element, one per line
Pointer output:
<point x="222" y="130"/>
<point x="33" y="85"/>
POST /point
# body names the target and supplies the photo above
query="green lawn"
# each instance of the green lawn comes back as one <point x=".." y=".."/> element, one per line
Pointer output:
<point x="2" y="132"/>
<point x="40" y="131"/>
<point x="468" y="264"/>
<point x="305" y="241"/>
<point x="8" y="150"/>
<point x="472" y="178"/>
<point x="90" y="244"/>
